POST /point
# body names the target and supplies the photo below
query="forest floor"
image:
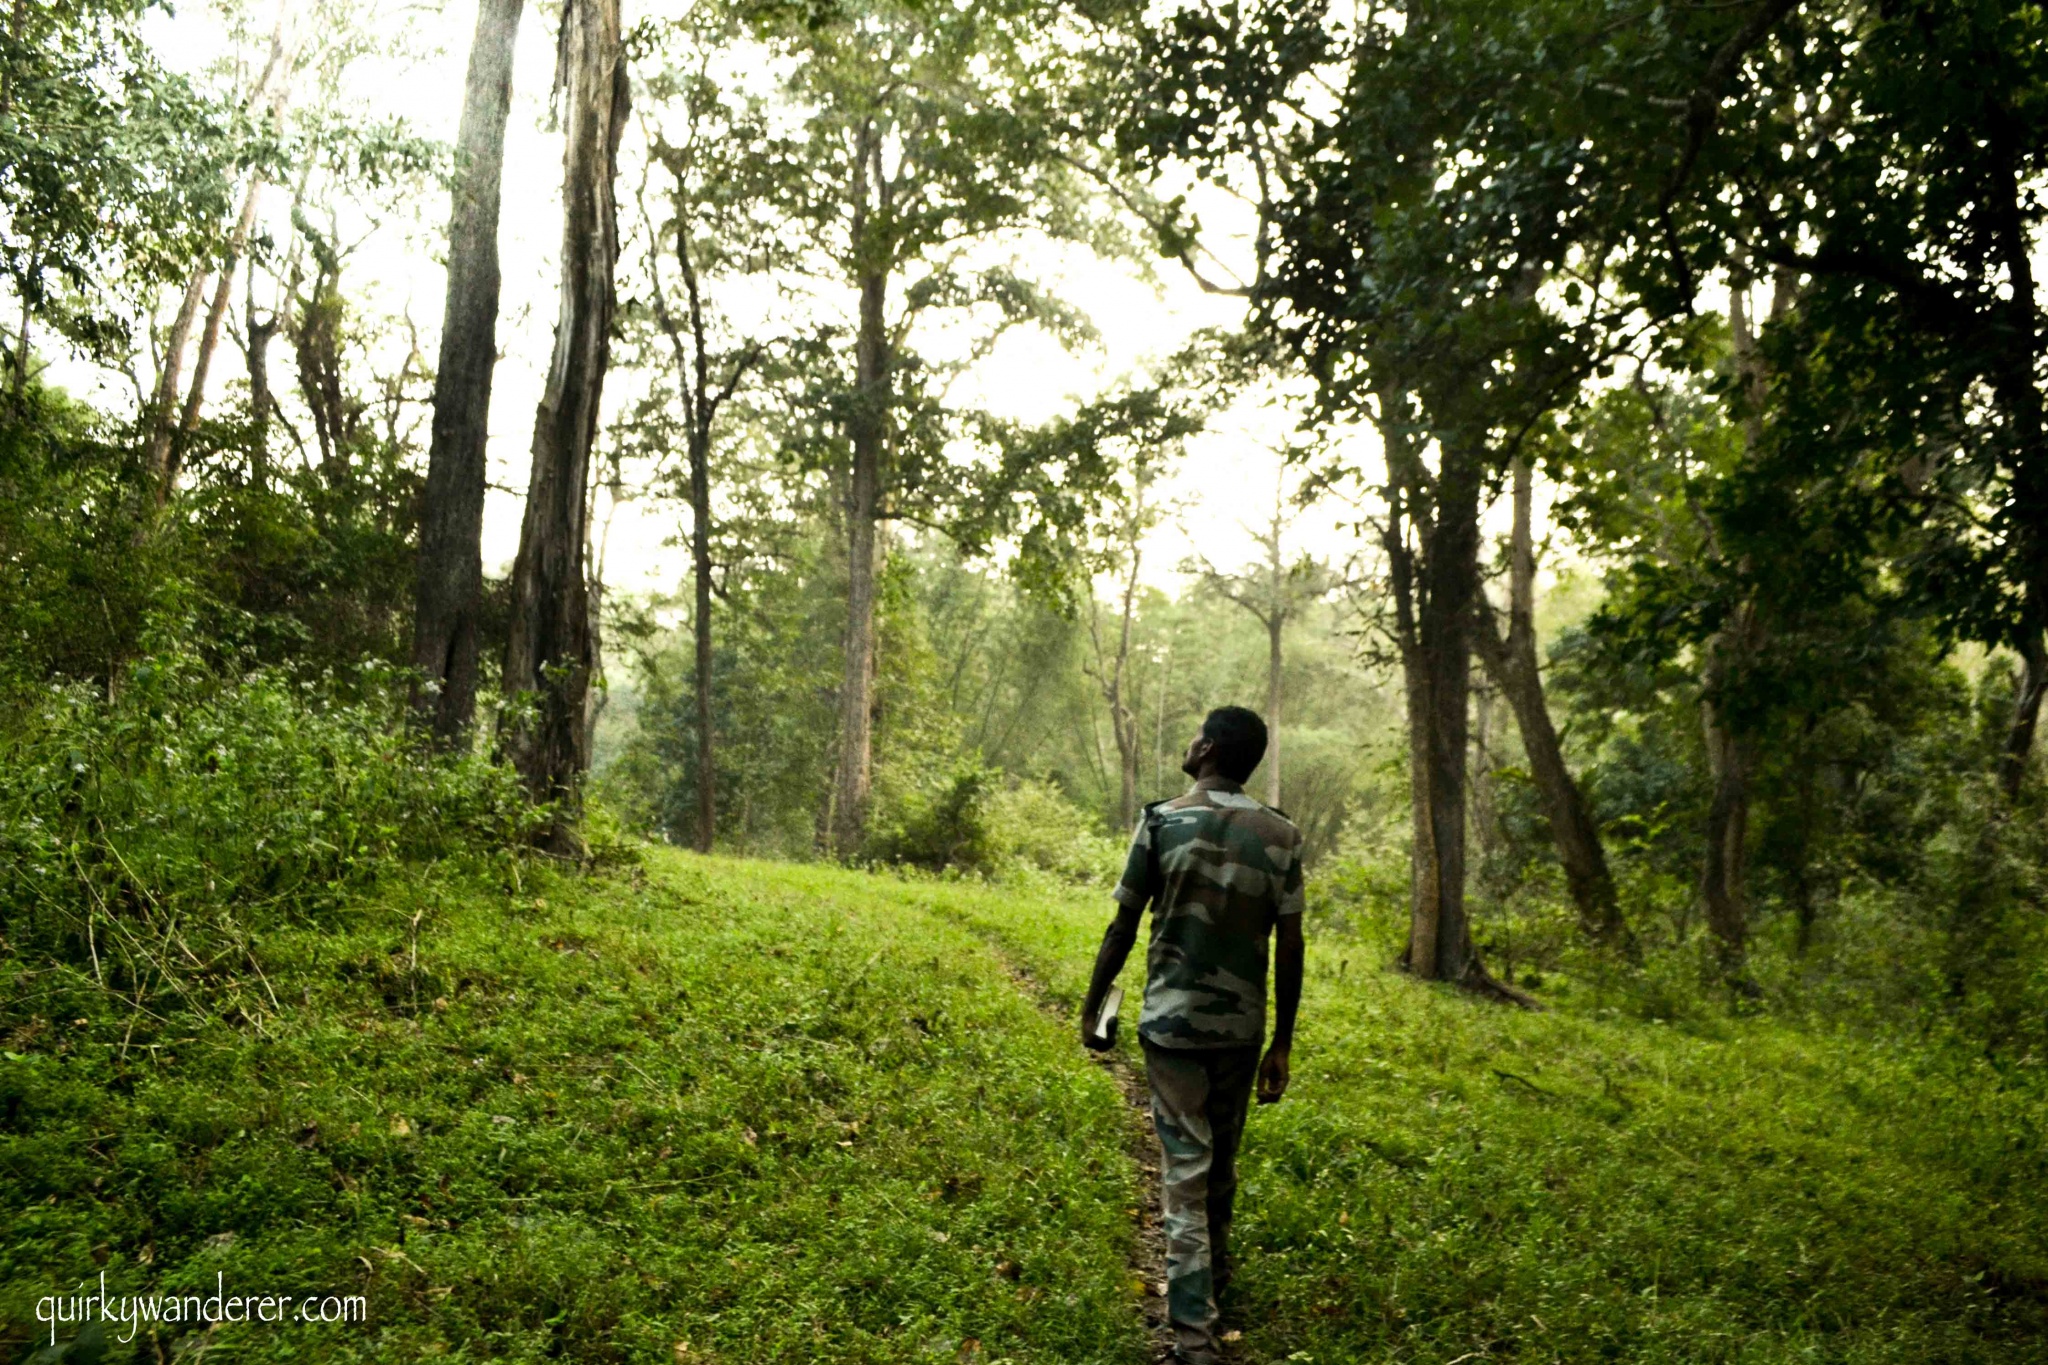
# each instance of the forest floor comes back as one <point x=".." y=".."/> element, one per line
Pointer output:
<point x="727" y="1111"/>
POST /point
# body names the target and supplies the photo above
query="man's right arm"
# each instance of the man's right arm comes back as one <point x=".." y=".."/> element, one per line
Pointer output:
<point x="1134" y="891"/>
<point x="1109" y="961"/>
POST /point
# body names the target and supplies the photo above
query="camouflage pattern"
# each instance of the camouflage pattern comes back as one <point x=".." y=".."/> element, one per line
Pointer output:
<point x="1199" y="1099"/>
<point x="1219" y="869"/>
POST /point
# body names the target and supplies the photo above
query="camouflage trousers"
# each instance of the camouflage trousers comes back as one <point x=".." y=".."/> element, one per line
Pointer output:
<point x="1199" y="1099"/>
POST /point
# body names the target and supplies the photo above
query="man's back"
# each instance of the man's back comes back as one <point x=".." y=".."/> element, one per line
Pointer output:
<point x="1219" y="869"/>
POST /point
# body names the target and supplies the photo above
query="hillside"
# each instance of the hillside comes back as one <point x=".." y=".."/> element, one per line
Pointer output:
<point x="739" y="1111"/>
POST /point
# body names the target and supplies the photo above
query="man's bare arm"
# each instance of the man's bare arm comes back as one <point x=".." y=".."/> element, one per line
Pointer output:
<point x="1109" y="960"/>
<point x="1288" y="951"/>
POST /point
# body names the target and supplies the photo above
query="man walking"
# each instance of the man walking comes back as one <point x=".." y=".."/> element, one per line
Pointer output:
<point x="1222" y="873"/>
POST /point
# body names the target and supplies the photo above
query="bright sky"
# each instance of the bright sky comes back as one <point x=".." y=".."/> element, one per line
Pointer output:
<point x="1224" y="488"/>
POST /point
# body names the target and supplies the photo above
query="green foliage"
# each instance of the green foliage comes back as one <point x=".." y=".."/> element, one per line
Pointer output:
<point x="942" y="824"/>
<point x="307" y="570"/>
<point x="111" y="167"/>
<point x="197" y="807"/>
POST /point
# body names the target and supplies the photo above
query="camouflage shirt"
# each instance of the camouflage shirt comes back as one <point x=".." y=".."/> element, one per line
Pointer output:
<point x="1219" y="869"/>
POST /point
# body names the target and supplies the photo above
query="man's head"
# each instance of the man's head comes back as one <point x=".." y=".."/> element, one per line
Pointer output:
<point x="1232" y="741"/>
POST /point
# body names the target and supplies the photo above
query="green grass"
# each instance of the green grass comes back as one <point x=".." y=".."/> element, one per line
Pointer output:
<point x="1449" y="1179"/>
<point x="799" y="1114"/>
<point x="771" y="1111"/>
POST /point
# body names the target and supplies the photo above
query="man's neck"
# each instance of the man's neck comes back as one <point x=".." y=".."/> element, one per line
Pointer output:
<point x="1208" y="780"/>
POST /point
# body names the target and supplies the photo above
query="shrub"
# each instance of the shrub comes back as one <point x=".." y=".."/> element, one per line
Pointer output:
<point x="194" y="802"/>
<point x="973" y="821"/>
<point x="940" y="825"/>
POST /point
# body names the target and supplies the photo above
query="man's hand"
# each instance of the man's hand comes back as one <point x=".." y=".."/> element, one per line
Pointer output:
<point x="1089" y="1039"/>
<point x="1273" y="1075"/>
<point x="1109" y="960"/>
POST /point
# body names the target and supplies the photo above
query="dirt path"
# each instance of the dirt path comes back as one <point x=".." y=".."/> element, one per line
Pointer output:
<point x="1148" y="1262"/>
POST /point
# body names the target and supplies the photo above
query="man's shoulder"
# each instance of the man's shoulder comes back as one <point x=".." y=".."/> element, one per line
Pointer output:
<point x="1274" y="825"/>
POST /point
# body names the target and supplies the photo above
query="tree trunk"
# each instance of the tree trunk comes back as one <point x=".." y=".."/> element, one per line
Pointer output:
<point x="1274" y="626"/>
<point x="316" y="346"/>
<point x="1731" y="754"/>
<point x="1449" y="578"/>
<point x="550" y="653"/>
<point x="209" y="341"/>
<point x="2018" y="388"/>
<point x="1123" y="719"/>
<point x="261" y="401"/>
<point x="448" y="592"/>
<point x="1512" y="664"/>
<point x="171" y="377"/>
<point x="2026" y="713"/>
<point x="700" y="568"/>
<point x="1434" y="583"/>
<point x="856" y="694"/>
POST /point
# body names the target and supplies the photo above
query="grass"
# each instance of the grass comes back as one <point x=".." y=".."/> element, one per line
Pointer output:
<point x="796" y="1113"/>
<point x="1451" y="1180"/>
<point x="768" y="1111"/>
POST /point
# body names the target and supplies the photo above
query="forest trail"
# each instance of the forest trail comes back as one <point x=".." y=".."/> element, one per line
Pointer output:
<point x="1148" y="1262"/>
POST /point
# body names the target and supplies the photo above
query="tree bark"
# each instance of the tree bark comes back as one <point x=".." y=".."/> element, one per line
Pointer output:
<point x="870" y="424"/>
<point x="1512" y="664"/>
<point x="550" y="653"/>
<point x="1731" y="756"/>
<point x="1274" y="627"/>
<point x="171" y="378"/>
<point x="2026" y="713"/>
<point x="448" y="591"/>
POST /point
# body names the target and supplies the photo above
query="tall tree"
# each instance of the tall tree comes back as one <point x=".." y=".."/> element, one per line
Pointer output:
<point x="934" y="140"/>
<point x="448" y="595"/>
<point x="1121" y="552"/>
<point x="1891" y="158"/>
<point x="704" y="180"/>
<point x="1511" y="662"/>
<point x="1275" y="592"/>
<point x="171" y="425"/>
<point x="550" y="653"/>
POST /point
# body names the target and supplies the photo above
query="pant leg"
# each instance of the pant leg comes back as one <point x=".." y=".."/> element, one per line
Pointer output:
<point x="1180" y="1098"/>
<point x="1231" y="1075"/>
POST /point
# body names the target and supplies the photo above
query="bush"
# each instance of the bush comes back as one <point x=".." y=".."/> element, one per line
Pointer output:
<point x="194" y="803"/>
<point x="941" y="825"/>
<point x="972" y="821"/>
<point x="1034" y="826"/>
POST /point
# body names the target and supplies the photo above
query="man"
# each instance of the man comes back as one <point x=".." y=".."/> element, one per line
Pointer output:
<point x="1221" y="872"/>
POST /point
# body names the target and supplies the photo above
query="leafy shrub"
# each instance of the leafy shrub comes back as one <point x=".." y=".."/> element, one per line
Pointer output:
<point x="972" y="821"/>
<point x="939" y="825"/>
<point x="193" y="802"/>
<point x="1034" y="826"/>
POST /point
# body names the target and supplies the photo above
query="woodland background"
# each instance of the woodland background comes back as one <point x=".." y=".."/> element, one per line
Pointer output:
<point x="1674" y="373"/>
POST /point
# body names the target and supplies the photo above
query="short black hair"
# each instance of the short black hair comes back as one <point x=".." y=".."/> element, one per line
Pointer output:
<point x="1240" y="739"/>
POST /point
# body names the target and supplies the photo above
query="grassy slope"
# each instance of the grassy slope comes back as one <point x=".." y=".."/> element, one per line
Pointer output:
<point x="1453" y="1180"/>
<point x="681" y="1057"/>
<point x="768" y="1110"/>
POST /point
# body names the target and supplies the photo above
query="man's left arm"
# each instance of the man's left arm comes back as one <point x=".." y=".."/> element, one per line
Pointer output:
<point x="1289" y="950"/>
